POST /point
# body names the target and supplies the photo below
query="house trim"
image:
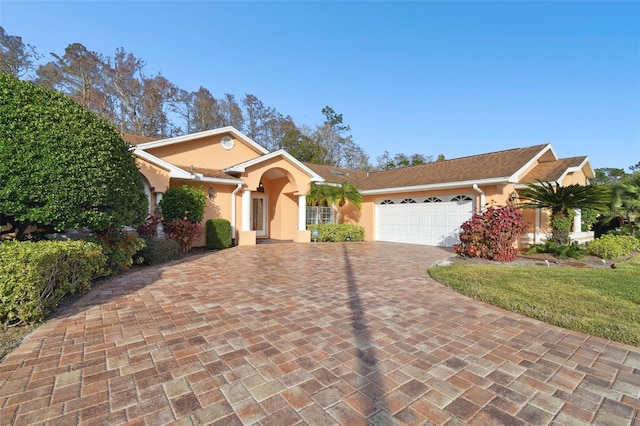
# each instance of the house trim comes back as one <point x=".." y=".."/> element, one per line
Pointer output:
<point x="436" y="186"/>
<point x="242" y="167"/>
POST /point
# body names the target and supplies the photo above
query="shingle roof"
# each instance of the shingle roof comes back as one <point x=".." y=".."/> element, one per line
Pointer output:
<point x="211" y="173"/>
<point x="501" y="164"/>
<point x="552" y="171"/>
<point x="136" y="139"/>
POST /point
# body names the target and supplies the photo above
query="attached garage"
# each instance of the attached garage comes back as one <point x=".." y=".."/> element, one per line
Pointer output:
<point x="432" y="220"/>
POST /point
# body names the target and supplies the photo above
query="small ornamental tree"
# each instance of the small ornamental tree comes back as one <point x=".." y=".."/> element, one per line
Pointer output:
<point x="182" y="210"/>
<point x="62" y="166"/>
<point x="492" y="234"/>
<point x="183" y="202"/>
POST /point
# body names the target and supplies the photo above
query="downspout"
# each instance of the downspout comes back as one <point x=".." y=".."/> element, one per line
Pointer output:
<point x="481" y="192"/>
<point x="233" y="210"/>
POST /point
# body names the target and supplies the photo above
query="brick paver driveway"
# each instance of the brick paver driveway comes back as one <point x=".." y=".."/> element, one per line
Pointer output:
<point x="315" y="334"/>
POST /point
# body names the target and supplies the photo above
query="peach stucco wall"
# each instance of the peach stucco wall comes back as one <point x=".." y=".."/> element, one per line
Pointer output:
<point x="205" y="152"/>
<point x="158" y="178"/>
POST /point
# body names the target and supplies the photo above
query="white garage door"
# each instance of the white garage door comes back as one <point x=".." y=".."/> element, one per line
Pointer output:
<point x="432" y="221"/>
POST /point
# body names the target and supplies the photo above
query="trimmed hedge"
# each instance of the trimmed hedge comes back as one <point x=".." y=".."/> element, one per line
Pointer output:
<point x="34" y="277"/>
<point x="336" y="233"/>
<point x="158" y="251"/>
<point x="610" y="246"/>
<point x="218" y="234"/>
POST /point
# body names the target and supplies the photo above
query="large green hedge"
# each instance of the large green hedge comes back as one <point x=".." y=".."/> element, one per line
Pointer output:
<point x="34" y="277"/>
<point x="62" y="166"/>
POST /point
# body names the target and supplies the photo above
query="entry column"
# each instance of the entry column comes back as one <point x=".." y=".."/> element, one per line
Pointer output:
<point x="302" y="235"/>
<point x="246" y="237"/>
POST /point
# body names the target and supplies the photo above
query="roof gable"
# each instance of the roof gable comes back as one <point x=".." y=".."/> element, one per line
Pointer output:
<point x="214" y="132"/>
<point x="242" y="167"/>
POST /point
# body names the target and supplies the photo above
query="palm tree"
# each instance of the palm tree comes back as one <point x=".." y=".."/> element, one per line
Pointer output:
<point x="563" y="200"/>
<point x="336" y="195"/>
<point x="625" y="205"/>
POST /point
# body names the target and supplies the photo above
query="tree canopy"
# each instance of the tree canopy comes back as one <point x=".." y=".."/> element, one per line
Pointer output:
<point x="120" y="88"/>
<point x="61" y="166"/>
<point x="335" y="195"/>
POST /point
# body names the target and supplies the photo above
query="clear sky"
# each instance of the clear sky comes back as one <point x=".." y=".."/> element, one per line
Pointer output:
<point x="430" y="77"/>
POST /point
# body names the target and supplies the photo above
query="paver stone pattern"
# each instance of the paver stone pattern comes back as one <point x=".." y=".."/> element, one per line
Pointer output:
<point x="317" y="334"/>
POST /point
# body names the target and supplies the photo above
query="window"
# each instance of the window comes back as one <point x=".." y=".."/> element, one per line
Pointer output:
<point x="387" y="202"/>
<point x="433" y="200"/>
<point x="461" y="198"/>
<point x="319" y="215"/>
<point x="408" y="201"/>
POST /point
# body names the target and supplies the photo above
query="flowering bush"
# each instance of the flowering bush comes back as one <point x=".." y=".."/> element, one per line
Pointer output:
<point x="491" y="234"/>
<point x="149" y="229"/>
<point x="182" y="231"/>
<point x="119" y="247"/>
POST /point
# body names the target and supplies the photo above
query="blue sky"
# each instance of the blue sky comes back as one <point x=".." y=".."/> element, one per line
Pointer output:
<point x="450" y="77"/>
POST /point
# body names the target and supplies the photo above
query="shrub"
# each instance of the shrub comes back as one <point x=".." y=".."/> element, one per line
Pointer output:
<point x="562" y="251"/>
<point x="183" y="232"/>
<point x="218" y="234"/>
<point x="492" y="234"/>
<point x="149" y="229"/>
<point x="181" y="202"/>
<point x="589" y="218"/>
<point x="610" y="246"/>
<point x="34" y="277"/>
<point x="119" y="247"/>
<point x="62" y="166"/>
<point x="158" y="251"/>
<point x="336" y="232"/>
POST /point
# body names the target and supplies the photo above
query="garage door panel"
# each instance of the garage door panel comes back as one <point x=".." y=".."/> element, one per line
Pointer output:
<point x="436" y="224"/>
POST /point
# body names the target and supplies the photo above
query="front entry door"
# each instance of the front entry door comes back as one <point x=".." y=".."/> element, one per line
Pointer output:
<point x="259" y="215"/>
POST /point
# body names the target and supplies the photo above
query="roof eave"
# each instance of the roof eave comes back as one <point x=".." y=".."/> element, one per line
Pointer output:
<point x="221" y="181"/>
<point x="436" y="186"/>
<point x="174" y="172"/>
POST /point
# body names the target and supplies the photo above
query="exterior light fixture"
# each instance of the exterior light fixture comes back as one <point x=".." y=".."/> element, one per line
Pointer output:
<point x="513" y="196"/>
<point x="212" y="193"/>
<point x="260" y="187"/>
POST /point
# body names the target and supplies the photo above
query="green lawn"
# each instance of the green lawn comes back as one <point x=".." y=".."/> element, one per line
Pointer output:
<point x="597" y="301"/>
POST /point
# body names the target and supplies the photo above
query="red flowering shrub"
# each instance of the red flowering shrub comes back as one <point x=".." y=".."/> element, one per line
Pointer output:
<point x="119" y="248"/>
<point x="491" y="234"/>
<point x="149" y="229"/>
<point x="182" y="231"/>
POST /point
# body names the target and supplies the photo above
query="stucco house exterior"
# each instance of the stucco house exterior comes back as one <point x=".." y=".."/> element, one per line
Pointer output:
<point x="263" y="194"/>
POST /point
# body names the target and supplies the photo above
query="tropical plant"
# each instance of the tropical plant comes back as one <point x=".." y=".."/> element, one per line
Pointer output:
<point x="625" y="205"/>
<point x="492" y="234"/>
<point x="336" y="195"/>
<point x="183" y="232"/>
<point x="562" y="201"/>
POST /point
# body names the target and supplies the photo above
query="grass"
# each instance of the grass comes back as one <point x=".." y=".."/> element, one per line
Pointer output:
<point x="597" y="301"/>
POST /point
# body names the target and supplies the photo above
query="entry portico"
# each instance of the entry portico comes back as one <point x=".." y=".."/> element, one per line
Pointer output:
<point x="261" y="193"/>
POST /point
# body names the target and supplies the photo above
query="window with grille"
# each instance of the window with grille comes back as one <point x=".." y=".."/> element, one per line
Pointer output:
<point x="319" y="215"/>
<point x="461" y="198"/>
<point x="433" y="200"/>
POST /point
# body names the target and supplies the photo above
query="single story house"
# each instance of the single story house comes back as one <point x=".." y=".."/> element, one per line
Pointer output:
<point x="263" y="194"/>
